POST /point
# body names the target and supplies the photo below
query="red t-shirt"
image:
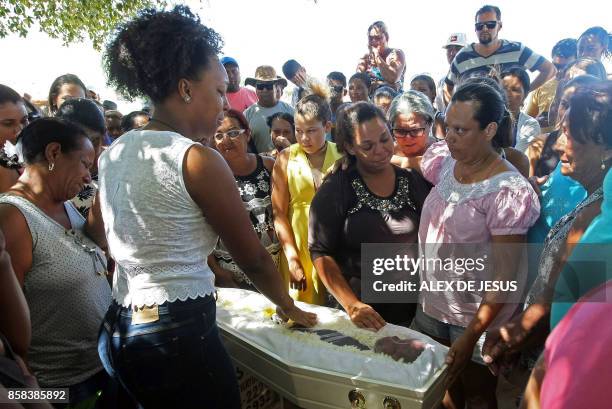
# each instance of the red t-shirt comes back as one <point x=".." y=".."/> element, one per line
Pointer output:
<point x="242" y="99"/>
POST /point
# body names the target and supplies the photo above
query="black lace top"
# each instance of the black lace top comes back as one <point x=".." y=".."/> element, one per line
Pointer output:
<point x="256" y="191"/>
<point x="345" y="213"/>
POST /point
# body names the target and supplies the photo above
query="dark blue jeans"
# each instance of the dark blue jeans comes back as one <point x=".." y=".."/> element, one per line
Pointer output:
<point x="177" y="361"/>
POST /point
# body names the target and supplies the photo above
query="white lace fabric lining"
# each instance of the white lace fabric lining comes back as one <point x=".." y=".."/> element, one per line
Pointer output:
<point x="452" y="191"/>
<point x="138" y="286"/>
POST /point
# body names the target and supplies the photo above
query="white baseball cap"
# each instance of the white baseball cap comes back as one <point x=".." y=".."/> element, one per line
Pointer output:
<point x="458" y="39"/>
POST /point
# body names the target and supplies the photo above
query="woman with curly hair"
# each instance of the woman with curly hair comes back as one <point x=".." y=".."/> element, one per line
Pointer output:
<point x="165" y="199"/>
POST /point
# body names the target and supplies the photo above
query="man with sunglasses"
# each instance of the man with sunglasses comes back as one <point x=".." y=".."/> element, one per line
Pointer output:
<point x="268" y="88"/>
<point x="491" y="51"/>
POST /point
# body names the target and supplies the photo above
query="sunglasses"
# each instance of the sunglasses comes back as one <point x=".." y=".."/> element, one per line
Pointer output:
<point x="375" y="38"/>
<point x="233" y="134"/>
<point x="404" y="133"/>
<point x="336" y="88"/>
<point x="490" y="25"/>
<point x="265" y="85"/>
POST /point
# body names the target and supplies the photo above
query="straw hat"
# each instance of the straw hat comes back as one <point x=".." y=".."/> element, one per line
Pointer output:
<point x="265" y="73"/>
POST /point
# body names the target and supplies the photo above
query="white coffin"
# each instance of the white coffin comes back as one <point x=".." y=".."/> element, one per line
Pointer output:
<point x="315" y="374"/>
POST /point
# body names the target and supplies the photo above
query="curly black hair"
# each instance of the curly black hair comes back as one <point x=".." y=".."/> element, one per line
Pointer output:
<point x="147" y="56"/>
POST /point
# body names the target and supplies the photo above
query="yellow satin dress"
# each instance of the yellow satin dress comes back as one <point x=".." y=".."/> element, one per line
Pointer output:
<point x="301" y="191"/>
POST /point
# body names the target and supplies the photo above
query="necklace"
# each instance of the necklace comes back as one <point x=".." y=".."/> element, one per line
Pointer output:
<point x="323" y="148"/>
<point x="317" y="175"/>
<point x="462" y="179"/>
<point x="164" y="124"/>
<point x="98" y="262"/>
<point x="96" y="258"/>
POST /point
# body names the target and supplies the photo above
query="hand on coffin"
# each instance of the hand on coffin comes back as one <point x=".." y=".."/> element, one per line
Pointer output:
<point x="297" y="277"/>
<point x="406" y="349"/>
<point x="501" y="344"/>
<point x="458" y="357"/>
<point x="365" y="316"/>
<point x="294" y="313"/>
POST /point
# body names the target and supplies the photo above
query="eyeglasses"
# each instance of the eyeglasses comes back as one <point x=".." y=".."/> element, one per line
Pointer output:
<point x="233" y="134"/>
<point x="490" y="25"/>
<point x="404" y="133"/>
<point x="264" y="85"/>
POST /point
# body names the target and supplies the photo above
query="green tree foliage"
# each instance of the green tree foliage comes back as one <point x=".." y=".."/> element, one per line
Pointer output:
<point x="69" y="20"/>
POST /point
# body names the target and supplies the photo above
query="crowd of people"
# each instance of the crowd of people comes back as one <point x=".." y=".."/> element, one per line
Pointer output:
<point x="116" y="229"/>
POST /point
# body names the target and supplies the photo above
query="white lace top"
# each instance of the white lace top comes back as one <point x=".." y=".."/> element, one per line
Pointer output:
<point x="156" y="233"/>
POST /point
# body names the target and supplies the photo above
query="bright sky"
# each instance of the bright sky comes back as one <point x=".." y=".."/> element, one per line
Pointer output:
<point x="330" y="35"/>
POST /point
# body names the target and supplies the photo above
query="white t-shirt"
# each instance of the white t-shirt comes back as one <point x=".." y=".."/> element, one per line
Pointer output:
<point x="439" y="101"/>
<point x="527" y="128"/>
<point x="156" y="232"/>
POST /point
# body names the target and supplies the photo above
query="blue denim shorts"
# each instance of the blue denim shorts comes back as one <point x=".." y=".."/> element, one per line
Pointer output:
<point x="177" y="361"/>
<point x="441" y="330"/>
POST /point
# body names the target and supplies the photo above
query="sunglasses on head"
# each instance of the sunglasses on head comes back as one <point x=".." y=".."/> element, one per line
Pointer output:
<point x="490" y="25"/>
<point x="265" y="85"/>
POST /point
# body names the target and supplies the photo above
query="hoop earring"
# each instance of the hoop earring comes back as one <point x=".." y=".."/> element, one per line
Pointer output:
<point x="51" y="166"/>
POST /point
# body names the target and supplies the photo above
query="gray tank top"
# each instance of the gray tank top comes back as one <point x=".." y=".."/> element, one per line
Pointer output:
<point x="67" y="295"/>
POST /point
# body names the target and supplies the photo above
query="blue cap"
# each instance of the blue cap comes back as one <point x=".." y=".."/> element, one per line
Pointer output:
<point x="229" y="60"/>
<point x="290" y="68"/>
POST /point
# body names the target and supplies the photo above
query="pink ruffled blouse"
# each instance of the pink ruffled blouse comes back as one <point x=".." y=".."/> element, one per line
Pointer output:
<point x="456" y="213"/>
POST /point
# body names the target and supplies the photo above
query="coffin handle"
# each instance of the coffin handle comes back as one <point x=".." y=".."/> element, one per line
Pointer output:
<point x="357" y="400"/>
<point x="391" y="403"/>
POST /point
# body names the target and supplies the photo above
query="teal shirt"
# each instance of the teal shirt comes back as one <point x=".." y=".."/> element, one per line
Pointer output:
<point x="590" y="264"/>
<point x="560" y="195"/>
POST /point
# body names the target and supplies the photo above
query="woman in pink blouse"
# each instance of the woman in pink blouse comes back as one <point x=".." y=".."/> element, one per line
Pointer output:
<point x="479" y="198"/>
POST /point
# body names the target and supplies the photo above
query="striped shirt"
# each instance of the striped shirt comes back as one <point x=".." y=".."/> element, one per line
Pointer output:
<point x="511" y="54"/>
